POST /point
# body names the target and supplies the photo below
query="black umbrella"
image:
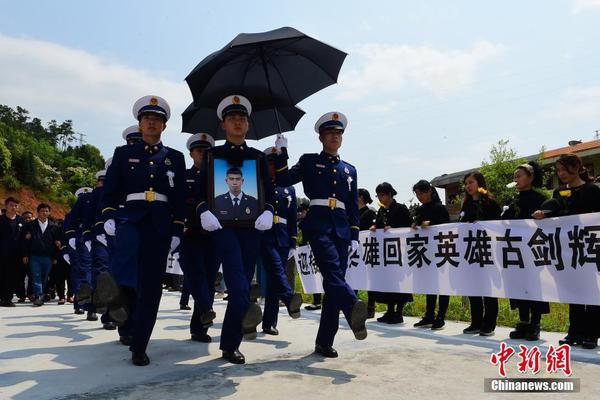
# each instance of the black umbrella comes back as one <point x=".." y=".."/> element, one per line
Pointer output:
<point x="263" y="123"/>
<point x="273" y="69"/>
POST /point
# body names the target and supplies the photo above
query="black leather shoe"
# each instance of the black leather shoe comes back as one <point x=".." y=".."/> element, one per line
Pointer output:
<point x="357" y="320"/>
<point x="84" y="295"/>
<point x="251" y="319"/>
<point x="126" y="340"/>
<point x="271" y="331"/>
<point x="201" y="337"/>
<point x="589" y="343"/>
<point x="520" y="331"/>
<point x="139" y="359"/>
<point x="570" y="340"/>
<point x="207" y="318"/>
<point x="326" y="351"/>
<point x="184" y="307"/>
<point x="107" y="290"/>
<point x="79" y="311"/>
<point x="234" y="357"/>
<point x="294" y="306"/>
<point x="313" y="307"/>
<point x="9" y="303"/>
<point x="109" y="326"/>
<point x="472" y="330"/>
<point x="91" y="316"/>
<point x="118" y="314"/>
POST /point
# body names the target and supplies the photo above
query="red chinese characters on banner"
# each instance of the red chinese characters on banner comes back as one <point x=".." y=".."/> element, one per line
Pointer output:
<point x="557" y="359"/>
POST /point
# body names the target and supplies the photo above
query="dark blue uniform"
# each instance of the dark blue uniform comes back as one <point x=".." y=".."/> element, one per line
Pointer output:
<point x="150" y="180"/>
<point x="196" y="256"/>
<point x="329" y="226"/>
<point x="275" y="247"/>
<point x="237" y="248"/>
<point x="81" y="258"/>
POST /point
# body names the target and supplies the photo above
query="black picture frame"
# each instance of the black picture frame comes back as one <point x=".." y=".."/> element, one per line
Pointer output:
<point x="252" y="201"/>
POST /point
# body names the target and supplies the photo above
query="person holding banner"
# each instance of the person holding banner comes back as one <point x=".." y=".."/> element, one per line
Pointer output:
<point x="331" y="224"/>
<point x="367" y="219"/>
<point x="431" y="212"/>
<point x="527" y="177"/>
<point x="391" y="214"/>
<point x="479" y="205"/>
<point x="578" y="195"/>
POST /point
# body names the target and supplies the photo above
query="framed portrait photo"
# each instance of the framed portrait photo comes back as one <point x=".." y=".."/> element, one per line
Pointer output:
<point x="235" y="192"/>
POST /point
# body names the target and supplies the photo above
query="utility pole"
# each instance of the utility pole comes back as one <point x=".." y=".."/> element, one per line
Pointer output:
<point x="597" y="134"/>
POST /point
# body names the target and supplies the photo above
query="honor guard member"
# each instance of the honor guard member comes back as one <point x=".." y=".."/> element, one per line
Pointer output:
<point x="149" y="177"/>
<point x="277" y="246"/>
<point x="196" y="254"/>
<point x="132" y="135"/>
<point x="237" y="248"/>
<point x="79" y="252"/>
<point x="100" y="247"/>
<point x="330" y="226"/>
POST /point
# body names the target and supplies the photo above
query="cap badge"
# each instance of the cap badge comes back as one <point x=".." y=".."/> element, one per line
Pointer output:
<point x="335" y="116"/>
<point x="153" y="101"/>
<point x="235" y="100"/>
<point x="203" y="137"/>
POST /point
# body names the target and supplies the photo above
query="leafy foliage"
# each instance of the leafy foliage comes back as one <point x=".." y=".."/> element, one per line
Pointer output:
<point x="44" y="158"/>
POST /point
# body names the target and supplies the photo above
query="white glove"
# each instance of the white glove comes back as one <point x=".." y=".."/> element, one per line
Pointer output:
<point x="291" y="253"/>
<point x="354" y="245"/>
<point x="280" y="143"/>
<point x="102" y="239"/>
<point x="88" y="245"/>
<point x="174" y="243"/>
<point x="264" y="222"/>
<point x="72" y="243"/>
<point x="110" y="227"/>
<point x="67" y="258"/>
<point x="209" y="221"/>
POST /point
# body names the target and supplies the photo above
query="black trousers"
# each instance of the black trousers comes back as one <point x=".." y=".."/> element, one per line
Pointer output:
<point x="584" y="321"/>
<point x="58" y="278"/>
<point x="484" y="312"/>
<point x="430" y="306"/>
<point x="9" y="272"/>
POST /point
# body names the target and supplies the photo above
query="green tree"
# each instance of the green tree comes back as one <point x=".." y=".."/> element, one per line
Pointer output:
<point x="498" y="171"/>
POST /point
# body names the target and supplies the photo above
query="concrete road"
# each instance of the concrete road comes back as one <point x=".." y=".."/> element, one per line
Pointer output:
<point x="48" y="352"/>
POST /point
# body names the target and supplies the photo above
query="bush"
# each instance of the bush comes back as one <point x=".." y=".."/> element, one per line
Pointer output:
<point x="11" y="183"/>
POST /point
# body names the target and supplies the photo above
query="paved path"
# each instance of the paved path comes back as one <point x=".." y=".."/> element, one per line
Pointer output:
<point x="48" y="352"/>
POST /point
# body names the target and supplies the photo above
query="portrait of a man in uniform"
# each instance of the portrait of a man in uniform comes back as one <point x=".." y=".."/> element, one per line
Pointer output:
<point x="236" y="195"/>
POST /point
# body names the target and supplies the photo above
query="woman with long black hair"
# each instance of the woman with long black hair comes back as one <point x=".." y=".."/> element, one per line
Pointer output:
<point x="479" y="205"/>
<point x="577" y="195"/>
<point x="391" y="214"/>
<point x="431" y="212"/>
<point x="526" y="178"/>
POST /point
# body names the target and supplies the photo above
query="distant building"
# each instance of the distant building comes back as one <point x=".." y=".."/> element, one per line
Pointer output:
<point x="588" y="151"/>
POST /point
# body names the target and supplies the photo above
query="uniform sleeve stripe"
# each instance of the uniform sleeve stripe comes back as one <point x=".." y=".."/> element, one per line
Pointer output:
<point x="70" y="231"/>
<point x="178" y="222"/>
<point x="108" y="209"/>
<point x="282" y="169"/>
<point x="99" y="223"/>
<point x="355" y="227"/>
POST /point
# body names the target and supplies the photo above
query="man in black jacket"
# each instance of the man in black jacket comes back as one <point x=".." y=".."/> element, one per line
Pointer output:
<point x="40" y="249"/>
<point x="10" y="253"/>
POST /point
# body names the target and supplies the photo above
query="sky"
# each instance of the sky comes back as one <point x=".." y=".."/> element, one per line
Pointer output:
<point x="428" y="87"/>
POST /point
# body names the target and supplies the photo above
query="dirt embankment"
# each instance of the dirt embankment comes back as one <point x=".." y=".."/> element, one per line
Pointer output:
<point x="29" y="200"/>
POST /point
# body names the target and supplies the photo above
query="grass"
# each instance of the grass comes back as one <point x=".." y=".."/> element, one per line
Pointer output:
<point x="458" y="310"/>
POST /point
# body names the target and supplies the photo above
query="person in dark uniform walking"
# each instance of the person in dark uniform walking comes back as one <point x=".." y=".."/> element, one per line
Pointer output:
<point x="366" y="220"/>
<point x="526" y="178"/>
<point x="479" y="205"/>
<point x="196" y="255"/>
<point x="391" y="214"/>
<point x="237" y="248"/>
<point x="431" y="212"/>
<point x="11" y="265"/>
<point x="277" y="246"/>
<point x="79" y="252"/>
<point x="577" y="195"/>
<point x="331" y="225"/>
<point x="150" y="178"/>
<point x="132" y="135"/>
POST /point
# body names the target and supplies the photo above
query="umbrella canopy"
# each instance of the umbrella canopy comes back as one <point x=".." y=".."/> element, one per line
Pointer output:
<point x="272" y="69"/>
<point x="263" y="123"/>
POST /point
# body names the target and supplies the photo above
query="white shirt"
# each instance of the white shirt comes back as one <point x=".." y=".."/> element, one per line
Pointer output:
<point x="43" y="225"/>
<point x="239" y="197"/>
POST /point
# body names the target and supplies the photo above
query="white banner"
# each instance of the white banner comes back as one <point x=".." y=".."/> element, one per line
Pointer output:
<point x="555" y="259"/>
